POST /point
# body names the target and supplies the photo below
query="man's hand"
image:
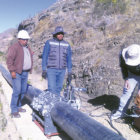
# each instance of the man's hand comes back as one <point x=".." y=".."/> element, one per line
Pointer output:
<point x="139" y="93"/>
<point x="137" y="101"/>
<point x="126" y="85"/>
<point x="44" y="74"/>
<point x="13" y="74"/>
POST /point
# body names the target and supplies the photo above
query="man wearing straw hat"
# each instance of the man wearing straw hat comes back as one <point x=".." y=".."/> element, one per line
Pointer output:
<point x="130" y="67"/>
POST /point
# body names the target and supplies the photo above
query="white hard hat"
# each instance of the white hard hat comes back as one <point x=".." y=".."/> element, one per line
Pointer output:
<point x="23" y="34"/>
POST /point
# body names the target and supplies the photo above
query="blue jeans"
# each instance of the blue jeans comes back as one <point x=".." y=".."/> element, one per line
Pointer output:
<point x="19" y="89"/>
<point x="127" y="93"/>
<point x="55" y="80"/>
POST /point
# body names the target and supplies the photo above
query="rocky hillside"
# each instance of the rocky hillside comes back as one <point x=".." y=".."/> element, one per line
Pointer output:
<point x="97" y="30"/>
<point x="6" y="37"/>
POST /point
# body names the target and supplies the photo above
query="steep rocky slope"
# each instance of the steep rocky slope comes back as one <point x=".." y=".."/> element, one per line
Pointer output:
<point x="97" y="30"/>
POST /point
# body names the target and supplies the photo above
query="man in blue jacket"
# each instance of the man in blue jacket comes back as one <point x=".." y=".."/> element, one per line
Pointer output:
<point x="55" y="59"/>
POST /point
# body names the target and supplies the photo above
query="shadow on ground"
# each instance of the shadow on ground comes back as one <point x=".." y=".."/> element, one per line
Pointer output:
<point x="110" y="102"/>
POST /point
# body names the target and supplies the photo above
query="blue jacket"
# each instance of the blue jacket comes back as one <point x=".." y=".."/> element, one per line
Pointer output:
<point x="57" y="55"/>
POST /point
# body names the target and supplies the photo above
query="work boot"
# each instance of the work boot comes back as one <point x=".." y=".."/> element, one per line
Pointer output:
<point x="21" y="110"/>
<point x="15" y="115"/>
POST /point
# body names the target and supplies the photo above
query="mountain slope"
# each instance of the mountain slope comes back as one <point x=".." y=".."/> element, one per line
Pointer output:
<point x="97" y="30"/>
<point x="6" y="37"/>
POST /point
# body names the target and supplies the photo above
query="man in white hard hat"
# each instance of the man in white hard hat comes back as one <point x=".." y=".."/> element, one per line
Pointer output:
<point x="130" y="66"/>
<point x="19" y="62"/>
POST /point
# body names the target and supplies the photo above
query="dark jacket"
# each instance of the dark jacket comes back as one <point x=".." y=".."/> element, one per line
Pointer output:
<point x="57" y="55"/>
<point x="126" y="68"/>
<point x="15" y="58"/>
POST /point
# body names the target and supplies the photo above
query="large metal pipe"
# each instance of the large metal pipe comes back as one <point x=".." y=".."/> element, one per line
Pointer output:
<point x="79" y="126"/>
<point x="75" y="123"/>
<point x="6" y="75"/>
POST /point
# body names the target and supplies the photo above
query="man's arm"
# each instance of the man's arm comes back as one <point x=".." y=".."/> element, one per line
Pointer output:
<point x="10" y="59"/>
<point x="69" y="61"/>
<point x="45" y="56"/>
<point x="123" y="66"/>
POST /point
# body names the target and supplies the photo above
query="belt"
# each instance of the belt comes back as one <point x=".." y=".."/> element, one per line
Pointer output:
<point x="25" y="70"/>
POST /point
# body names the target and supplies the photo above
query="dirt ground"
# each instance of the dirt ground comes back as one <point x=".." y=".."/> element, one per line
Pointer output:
<point x="97" y="111"/>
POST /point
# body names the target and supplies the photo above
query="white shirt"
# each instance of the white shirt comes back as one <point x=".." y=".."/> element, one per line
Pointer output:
<point x="27" y="59"/>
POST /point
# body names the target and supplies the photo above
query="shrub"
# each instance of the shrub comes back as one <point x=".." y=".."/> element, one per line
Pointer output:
<point x="108" y="7"/>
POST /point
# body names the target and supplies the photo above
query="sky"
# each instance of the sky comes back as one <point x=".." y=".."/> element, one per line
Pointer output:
<point x="12" y="12"/>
